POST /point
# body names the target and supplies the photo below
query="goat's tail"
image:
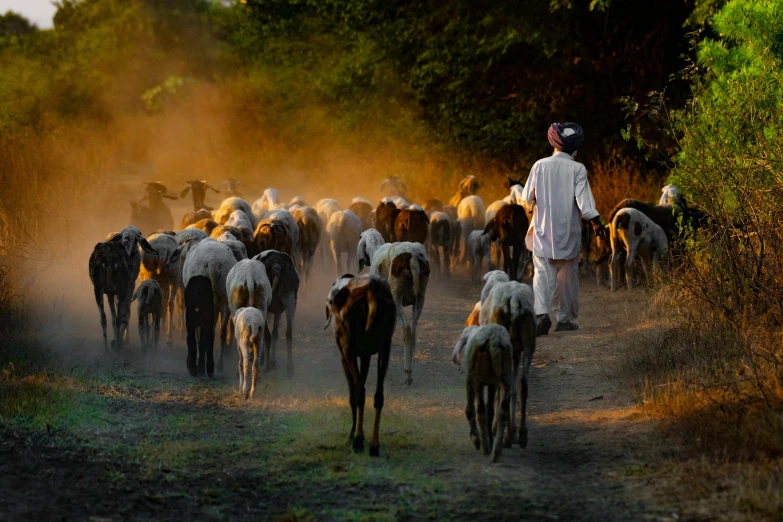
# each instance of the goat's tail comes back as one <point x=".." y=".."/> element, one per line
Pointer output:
<point x="418" y="267"/>
<point x="372" y="308"/>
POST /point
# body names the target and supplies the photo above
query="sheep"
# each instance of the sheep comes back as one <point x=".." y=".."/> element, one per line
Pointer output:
<point x="344" y="229"/>
<point x="310" y="230"/>
<point x="148" y="310"/>
<point x="385" y="216"/>
<point x="238" y="248"/>
<point x="488" y="356"/>
<point x="110" y="274"/>
<point x="207" y="225"/>
<point x="364" y="319"/>
<point x="297" y="202"/>
<point x="273" y="234"/>
<point x="200" y="322"/>
<point x="633" y="232"/>
<point x="406" y="267"/>
<point x="480" y="249"/>
<point x="412" y="225"/>
<point x="491" y="279"/>
<point x="363" y="209"/>
<point x="509" y="227"/>
<point x="249" y="325"/>
<point x="470" y="214"/>
<point x="394" y="187"/>
<point x="239" y="219"/>
<point x="432" y="205"/>
<point x="164" y="267"/>
<point x="199" y="188"/>
<point x="132" y="240"/>
<point x="214" y="260"/>
<point x="441" y="239"/>
<point x="511" y="306"/>
<point x="473" y="318"/>
<point x="229" y="205"/>
<point x="282" y="275"/>
<point x="468" y="186"/>
<point x="191" y="218"/>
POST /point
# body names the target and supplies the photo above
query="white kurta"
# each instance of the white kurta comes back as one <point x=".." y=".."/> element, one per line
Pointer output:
<point x="559" y="187"/>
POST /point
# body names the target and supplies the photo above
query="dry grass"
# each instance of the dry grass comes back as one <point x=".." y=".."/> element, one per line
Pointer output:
<point x="615" y="178"/>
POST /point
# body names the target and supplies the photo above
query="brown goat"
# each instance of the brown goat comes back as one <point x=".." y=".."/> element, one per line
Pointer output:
<point x="441" y="240"/>
<point x="272" y="234"/>
<point x="310" y="230"/>
<point x="364" y="320"/>
<point x="473" y="318"/>
<point x="510" y="226"/>
<point x="207" y="225"/>
<point x="412" y="226"/>
<point x="191" y="218"/>
<point x="364" y="211"/>
<point x="385" y="217"/>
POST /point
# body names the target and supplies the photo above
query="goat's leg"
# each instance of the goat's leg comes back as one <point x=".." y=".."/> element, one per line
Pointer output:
<point x="482" y="421"/>
<point x="99" y="302"/>
<point x="488" y="258"/>
<point x="192" y="347"/>
<point x="631" y="253"/>
<point x="115" y="323"/>
<point x="516" y="254"/>
<point x="383" y="366"/>
<point x="142" y="327"/>
<point x="170" y="295"/>
<point x="156" y="331"/>
<point x="181" y="310"/>
<point x="523" y="401"/>
<point x="258" y="345"/>
<point x="358" y="440"/>
<point x="275" y="338"/>
<point x="436" y="260"/>
<point x="511" y="426"/>
<point x="470" y="413"/>
<point x="290" y="312"/>
<point x="247" y="368"/>
<point x="491" y="424"/>
<point x="241" y="371"/>
<point x="351" y="375"/>
<point x="502" y="418"/>
<point x="267" y="358"/>
<point x="225" y="319"/>
<point x="507" y="261"/>
<point x="406" y="339"/>
<point x="337" y="258"/>
<point x="447" y="261"/>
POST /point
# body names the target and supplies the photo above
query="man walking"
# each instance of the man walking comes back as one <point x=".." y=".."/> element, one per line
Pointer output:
<point x="558" y="186"/>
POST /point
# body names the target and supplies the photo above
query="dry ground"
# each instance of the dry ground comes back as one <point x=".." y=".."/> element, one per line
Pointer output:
<point x="110" y="439"/>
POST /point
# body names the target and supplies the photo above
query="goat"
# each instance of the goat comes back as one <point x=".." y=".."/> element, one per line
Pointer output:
<point x="310" y="230"/>
<point x="479" y="248"/>
<point x="487" y="353"/>
<point x="509" y="227"/>
<point x="111" y="275"/>
<point x="491" y="279"/>
<point x="163" y="266"/>
<point x="432" y="205"/>
<point x="441" y="240"/>
<point x="273" y="234"/>
<point x="207" y="225"/>
<point x="249" y="325"/>
<point x="473" y="318"/>
<point x="282" y="275"/>
<point x="297" y="202"/>
<point x="385" y="216"/>
<point x="214" y="260"/>
<point x="325" y="208"/>
<point x="632" y="232"/>
<point x="148" y="310"/>
<point x="344" y="230"/>
<point x="191" y="218"/>
<point x="229" y="205"/>
<point x="364" y="319"/>
<point x="471" y="217"/>
<point x="238" y="248"/>
<point x="364" y="210"/>
<point x="406" y="268"/>
<point x="200" y="322"/>
<point x="199" y="188"/>
<point x="468" y="186"/>
<point x="511" y="306"/>
<point x="268" y="201"/>
<point x="412" y="225"/>
<point x="239" y="219"/>
<point x="489" y="215"/>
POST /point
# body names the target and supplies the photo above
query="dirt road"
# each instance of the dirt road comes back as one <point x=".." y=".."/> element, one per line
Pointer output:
<point x="134" y="442"/>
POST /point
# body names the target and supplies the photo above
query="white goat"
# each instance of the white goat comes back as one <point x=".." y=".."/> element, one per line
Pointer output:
<point x="488" y="355"/>
<point x="214" y="260"/>
<point x="343" y="229"/>
<point x="490" y="279"/>
<point x="229" y="205"/>
<point x="671" y="195"/>
<point x="632" y="232"/>
<point x="249" y="327"/>
<point x="239" y="219"/>
<point x="511" y="306"/>
<point x="248" y="285"/>
<point x="237" y="247"/>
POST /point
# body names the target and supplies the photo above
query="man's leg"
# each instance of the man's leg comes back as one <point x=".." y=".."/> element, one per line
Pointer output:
<point x="567" y="293"/>
<point x="544" y="284"/>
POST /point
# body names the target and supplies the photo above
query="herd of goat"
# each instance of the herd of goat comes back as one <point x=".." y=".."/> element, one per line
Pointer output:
<point x="241" y="266"/>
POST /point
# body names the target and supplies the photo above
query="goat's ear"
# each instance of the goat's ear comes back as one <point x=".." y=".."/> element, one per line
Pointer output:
<point x="328" y="317"/>
<point x="176" y="255"/>
<point x="117" y="237"/>
<point x="184" y="192"/>
<point x="144" y="244"/>
<point x="342" y="297"/>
